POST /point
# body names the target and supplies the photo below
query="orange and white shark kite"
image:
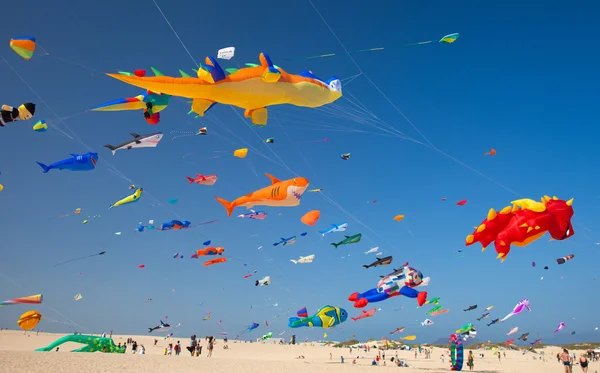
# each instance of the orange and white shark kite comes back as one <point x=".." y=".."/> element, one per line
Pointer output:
<point x="251" y="88"/>
<point x="279" y="193"/>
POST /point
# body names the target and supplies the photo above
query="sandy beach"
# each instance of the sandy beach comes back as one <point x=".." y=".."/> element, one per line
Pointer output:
<point x="18" y="355"/>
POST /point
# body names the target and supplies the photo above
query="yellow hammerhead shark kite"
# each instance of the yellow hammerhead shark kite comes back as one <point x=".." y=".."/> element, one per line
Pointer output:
<point x="250" y="88"/>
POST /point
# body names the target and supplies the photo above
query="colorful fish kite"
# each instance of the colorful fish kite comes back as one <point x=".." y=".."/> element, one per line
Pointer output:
<point x="325" y="317"/>
<point x="409" y="338"/>
<point x="462" y="202"/>
<point x="523" y="223"/>
<point x="213" y="86"/>
<point x="491" y="152"/>
<point x="203" y="179"/>
<point x="560" y="327"/>
<point x="335" y="228"/>
<point x="40" y="126"/>
<point x="31" y="299"/>
<point x="450" y="38"/>
<point x="279" y="193"/>
<point x="522" y="305"/>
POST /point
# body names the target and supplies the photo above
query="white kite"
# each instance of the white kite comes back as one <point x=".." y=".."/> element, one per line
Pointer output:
<point x="304" y="259"/>
<point x="226" y="53"/>
<point x="78" y="296"/>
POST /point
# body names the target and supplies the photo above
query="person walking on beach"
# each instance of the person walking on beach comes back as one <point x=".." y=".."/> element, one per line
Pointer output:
<point x="134" y="347"/>
<point x="583" y="363"/>
<point x="211" y="345"/>
<point x="471" y="361"/>
<point x="499" y="357"/>
<point x="566" y="360"/>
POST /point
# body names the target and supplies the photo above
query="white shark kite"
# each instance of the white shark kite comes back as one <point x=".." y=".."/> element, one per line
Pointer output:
<point x="304" y="259"/>
<point x="139" y="141"/>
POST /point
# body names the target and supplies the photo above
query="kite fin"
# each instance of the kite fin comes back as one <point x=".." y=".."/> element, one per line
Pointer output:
<point x="210" y="71"/>
<point x="135" y="135"/>
<point x="228" y="205"/>
<point x="258" y="117"/>
<point x="294" y="261"/>
<point x="256" y="284"/>
<point x="270" y="74"/>
<point x="366" y="266"/>
<point x="200" y="106"/>
<point x="44" y="167"/>
<point x="112" y="148"/>
<point x="190" y="179"/>
<point x="335" y="244"/>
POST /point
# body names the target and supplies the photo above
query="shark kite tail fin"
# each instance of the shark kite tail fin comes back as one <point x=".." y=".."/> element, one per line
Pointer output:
<point x="191" y="180"/>
<point x="294" y="261"/>
<point x="228" y="205"/>
<point x="366" y="266"/>
<point x="335" y="245"/>
<point x="44" y="167"/>
<point x="112" y="148"/>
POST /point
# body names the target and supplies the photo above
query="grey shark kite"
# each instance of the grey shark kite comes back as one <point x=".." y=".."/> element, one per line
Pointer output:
<point x="139" y="141"/>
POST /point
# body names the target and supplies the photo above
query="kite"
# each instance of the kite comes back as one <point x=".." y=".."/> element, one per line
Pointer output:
<point x="23" y="46"/>
<point x="151" y="102"/>
<point x="162" y="325"/>
<point x="10" y="114"/>
<point x="471" y="308"/>
<point x="522" y="305"/>
<point x="426" y="322"/>
<point x="398" y="330"/>
<point x="345" y="156"/>
<point x="509" y="342"/>
<point x="523" y="223"/>
<point x="380" y="262"/>
<point x="286" y="241"/>
<point x="266" y="336"/>
<point x="456" y="353"/>
<point x="372" y="250"/>
<point x="435" y="300"/>
<point x="214" y="261"/>
<point x="449" y="39"/>
<point x="40" y="126"/>
<point x="536" y="341"/>
<point x="83" y="257"/>
<point x="239" y="88"/>
<point x="279" y="193"/>
<point x="565" y="259"/>
<point x="398" y="217"/>
<point x="264" y="281"/>
<point x="226" y="53"/>
<point x="77" y="162"/>
<point x="139" y="141"/>
<point x="325" y="317"/>
<point x="203" y="179"/>
<point x="129" y="199"/>
<point x="209" y="251"/>
<point x="29" y="320"/>
<point x="483" y="316"/>
<point x="409" y="338"/>
<point x="311" y="217"/>
<point x="270" y="140"/>
<point x="462" y="202"/>
<point x="348" y="240"/>
<point x="488" y="308"/>
<point x="260" y="215"/>
<point x="436" y="308"/>
<point x="439" y="312"/>
<point x="491" y="152"/>
<point x="365" y="314"/>
<point x="78" y="296"/>
<point x="240" y="153"/>
<point x="252" y="327"/>
<point x="302" y="312"/>
<point x="32" y="299"/>
<point x="493" y="322"/>
<point x="523" y="337"/>
<point x="317" y="190"/>
<point x="142" y="266"/>
<point x="400" y="282"/>
<point x="560" y="327"/>
<point x="513" y="331"/>
<point x="335" y="228"/>
<point x="175" y="224"/>
<point x="304" y="259"/>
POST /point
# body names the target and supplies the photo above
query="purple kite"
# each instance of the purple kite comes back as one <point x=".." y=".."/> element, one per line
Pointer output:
<point x="560" y="327"/>
<point x="518" y="309"/>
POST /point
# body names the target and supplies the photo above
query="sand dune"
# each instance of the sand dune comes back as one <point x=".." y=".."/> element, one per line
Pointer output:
<point x="17" y="355"/>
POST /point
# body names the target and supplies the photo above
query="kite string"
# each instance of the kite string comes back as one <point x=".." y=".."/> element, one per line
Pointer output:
<point x="175" y="32"/>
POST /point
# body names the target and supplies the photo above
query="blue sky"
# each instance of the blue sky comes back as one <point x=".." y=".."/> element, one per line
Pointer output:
<point x="520" y="79"/>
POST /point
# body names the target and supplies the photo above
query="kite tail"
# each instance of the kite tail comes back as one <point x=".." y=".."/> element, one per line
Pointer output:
<point x="354" y="318"/>
<point x="112" y="148"/>
<point x="256" y="283"/>
<point x="228" y="205"/>
<point x="366" y="266"/>
<point x="294" y="261"/>
<point x="43" y="166"/>
<point x="191" y="180"/>
<point x="336" y="245"/>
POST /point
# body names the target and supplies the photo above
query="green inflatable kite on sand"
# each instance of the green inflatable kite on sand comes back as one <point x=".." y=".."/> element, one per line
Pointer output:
<point x="93" y="344"/>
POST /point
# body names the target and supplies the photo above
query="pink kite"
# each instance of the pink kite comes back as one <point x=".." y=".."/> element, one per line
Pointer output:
<point x="462" y="203"/>
<point x="560" y="327"/>
<point x="518" y="309"/>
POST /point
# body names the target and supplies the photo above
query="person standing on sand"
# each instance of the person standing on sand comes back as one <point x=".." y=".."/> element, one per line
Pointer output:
<point x="211" y="345"/>
<point x="566" y="360"/>
<point x="471" y="361"/>
<point x="583" y="363"/>
<point x="499" y="357"/>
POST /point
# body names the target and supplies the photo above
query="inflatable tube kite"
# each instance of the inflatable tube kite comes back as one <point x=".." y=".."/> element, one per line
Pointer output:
<point x="456" y="352"/>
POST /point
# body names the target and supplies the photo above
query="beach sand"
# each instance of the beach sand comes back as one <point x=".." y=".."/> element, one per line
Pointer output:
<point x="17" y="355"/>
